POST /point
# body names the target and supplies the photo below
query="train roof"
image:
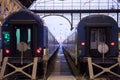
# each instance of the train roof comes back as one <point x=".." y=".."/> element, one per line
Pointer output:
<point x="23" y="15"/>
<point x="97" y="19"/>
<point x="97" y="16"/>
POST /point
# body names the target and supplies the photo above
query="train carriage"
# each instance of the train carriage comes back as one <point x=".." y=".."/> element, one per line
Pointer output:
<point x="25" y="38"/>
<point x="95" y="46"/>
<point x="95" y="30"/>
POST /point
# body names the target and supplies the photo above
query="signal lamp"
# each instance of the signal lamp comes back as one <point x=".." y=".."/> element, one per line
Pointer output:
<point x="83" y="43"/>
<point x="7" y="51"/>
<point x="38" y="50"/>
<point x="112" y="43"/>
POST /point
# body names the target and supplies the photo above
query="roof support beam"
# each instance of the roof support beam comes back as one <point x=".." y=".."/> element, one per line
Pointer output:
<point x="77" y="11"/>
<point x="8" y="7"/>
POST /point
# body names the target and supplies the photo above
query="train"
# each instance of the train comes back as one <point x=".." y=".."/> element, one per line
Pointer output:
<point x="93" y="46"/>
<point x="24" y="36"/>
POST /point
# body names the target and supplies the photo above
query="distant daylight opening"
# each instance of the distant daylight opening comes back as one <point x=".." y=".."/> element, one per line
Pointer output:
<point x="59" y="26"/>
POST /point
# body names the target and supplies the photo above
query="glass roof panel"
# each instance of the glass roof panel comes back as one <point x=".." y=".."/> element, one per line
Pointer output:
<point x="74" y="4"/>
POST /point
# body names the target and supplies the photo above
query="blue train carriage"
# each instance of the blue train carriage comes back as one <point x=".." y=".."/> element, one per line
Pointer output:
<point x="93" y="46"/>
<point x="98" y="29"/>
<point x="22" y="40"/>
<point x="22" y="26"/>
<point x="25" y="37"/>
<point x="98" y="43"/>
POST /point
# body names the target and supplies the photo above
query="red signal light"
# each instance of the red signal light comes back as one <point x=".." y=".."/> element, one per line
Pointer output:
<point x="83" y="43"/>
<point x="38" y="50"/>
<point x="112" y="43"/>
<point x="7" y="51"/>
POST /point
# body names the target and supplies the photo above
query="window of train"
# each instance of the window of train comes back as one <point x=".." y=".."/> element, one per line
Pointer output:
<point x="28" y="38"/>
<point x="96" y="37"/>
<point x="18" y="36"/>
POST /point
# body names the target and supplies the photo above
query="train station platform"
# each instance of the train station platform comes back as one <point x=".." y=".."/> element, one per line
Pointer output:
<point x="61" y="70"/>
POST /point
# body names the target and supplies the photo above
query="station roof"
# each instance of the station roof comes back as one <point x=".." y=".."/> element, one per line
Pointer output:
<point x="71" y="4"/>
<point x="75" y="5"/>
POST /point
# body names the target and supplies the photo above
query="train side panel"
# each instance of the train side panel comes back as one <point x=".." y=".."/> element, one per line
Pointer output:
<point x="51" y="44"/>
<point x="70" y="44"/>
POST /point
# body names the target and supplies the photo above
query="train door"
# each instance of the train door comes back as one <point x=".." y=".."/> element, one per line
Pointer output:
<point x="22" y="33"/>
<point x="96" y="36"/>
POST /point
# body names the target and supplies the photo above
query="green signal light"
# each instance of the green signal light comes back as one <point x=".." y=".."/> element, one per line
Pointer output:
<point x="6" y="36"/>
